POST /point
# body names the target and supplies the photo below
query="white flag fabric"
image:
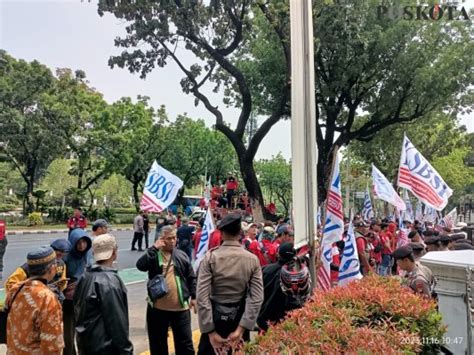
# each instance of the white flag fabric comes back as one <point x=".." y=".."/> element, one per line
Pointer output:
<point x="207" y="191"/>
<point x="203" y="247"/>
<point x="384" y="190"/>
<point x="419" y="211"/>
<point x="407" y="215"/>
<point x="333" y="226"/>
<point x="349" y="269"/>
<point x="450" y="219"/>
<point x="417" y="175"/>
<point x="161" y="188"/>
<point x="430" y="215"/>
<point x="367" y="210"/>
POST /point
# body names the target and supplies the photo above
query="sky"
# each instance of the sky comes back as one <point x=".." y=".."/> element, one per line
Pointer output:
<point x="70" y="34"/>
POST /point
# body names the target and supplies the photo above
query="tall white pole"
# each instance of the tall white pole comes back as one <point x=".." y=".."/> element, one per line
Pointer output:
<point x="303" y="126"/>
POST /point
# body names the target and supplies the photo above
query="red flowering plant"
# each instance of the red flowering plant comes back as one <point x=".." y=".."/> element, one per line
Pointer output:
<point x="374" y="315"/>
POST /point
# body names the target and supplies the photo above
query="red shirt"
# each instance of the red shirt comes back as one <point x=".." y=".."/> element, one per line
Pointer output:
<point x="196" y="241"/>
<point x="232" y="185"/>
<point x="215" y="239"/>
<point x="77" y="222"/>
<point x="385" y="239"/>
<point x="377" y="256"/>
<point x="336" y="260"/>
<point x="216" y="192"/>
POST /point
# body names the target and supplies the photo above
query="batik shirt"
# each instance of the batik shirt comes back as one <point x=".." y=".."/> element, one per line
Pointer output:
<point x="34" y="324"/>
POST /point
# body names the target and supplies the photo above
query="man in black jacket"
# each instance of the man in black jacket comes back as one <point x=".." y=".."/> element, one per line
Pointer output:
<point x="185" y="237"/>
<point x="173" y="308"/>
<point x="276" y="303"/>
<point x="100" y="304"/>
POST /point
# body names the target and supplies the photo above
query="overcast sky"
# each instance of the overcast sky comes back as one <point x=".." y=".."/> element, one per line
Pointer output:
<point x="68" y="33"/>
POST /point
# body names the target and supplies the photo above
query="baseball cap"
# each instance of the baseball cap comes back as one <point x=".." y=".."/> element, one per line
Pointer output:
<point x="103" y="246"/>
<point x="402" y="252"/>
<point x="283" y="229"/>
<point x="287" y="251"/>
<point x="100" y="223"/>
<point x="61" y="245"/>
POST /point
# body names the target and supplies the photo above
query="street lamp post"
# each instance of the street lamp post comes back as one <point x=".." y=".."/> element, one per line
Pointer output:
<point x="303" y="127"/>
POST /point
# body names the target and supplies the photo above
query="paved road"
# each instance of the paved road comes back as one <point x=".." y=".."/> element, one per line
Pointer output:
<point x="20" y="245"/>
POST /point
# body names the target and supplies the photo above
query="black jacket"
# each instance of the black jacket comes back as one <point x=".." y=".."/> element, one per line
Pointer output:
<point x="101" y="312"/>
<point x="276" y="304"/>
<point x="185" y="236"/>
<point x="182" y="268"/>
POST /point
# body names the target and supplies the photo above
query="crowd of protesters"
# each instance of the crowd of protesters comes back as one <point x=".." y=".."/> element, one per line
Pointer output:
<point x="68" y="297"/>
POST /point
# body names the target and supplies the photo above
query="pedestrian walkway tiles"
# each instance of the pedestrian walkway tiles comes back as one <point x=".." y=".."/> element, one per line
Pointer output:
<point x="196" y="337"/>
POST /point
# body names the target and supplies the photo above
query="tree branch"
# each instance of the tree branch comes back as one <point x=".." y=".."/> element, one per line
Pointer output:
<point x="268" y="124"/>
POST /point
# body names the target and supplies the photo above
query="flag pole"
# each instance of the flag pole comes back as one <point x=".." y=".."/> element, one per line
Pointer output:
<point x="303" y="127"/>
<point x="323" y="222"/>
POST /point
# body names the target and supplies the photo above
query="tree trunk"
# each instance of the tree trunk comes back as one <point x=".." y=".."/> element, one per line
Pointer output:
<point x="325" y="162"/>
<point x="30" y="205"/>
<point x="253" y="188"/>
<point x="136" y="200"/>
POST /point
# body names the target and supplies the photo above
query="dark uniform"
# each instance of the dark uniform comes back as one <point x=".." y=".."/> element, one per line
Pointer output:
<point x="229" y="289"/>
<point x="420" y="279"/>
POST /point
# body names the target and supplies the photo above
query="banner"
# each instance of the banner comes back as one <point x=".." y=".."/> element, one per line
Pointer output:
<point x="161" y="188"/>
<point x="333" y="227"/>
<point x="419" y="211"/>
<point x="450" y="220"/>
<point x="417" y="175"/>
<point x="367" y="210"/>
<point x="384" y="190"/>
<point x="402" y="234"/>
<point x="207" y="191"/>
<point x="203" y="247"/>
<point x="407" y="215"/>
<point x="430" y="215"/>
<point x="349" y="269"/>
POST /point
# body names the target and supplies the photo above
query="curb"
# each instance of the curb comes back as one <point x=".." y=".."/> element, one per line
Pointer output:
<point x="57" y="231"/>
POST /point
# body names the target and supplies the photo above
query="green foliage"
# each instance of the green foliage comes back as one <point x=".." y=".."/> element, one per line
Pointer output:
<point x="195" y="149"/>
<point x="7" y="207"/>
<point x="35" y="219"/>
<point x="27" y="142"/>
<point x="58" y="180"/>
<point x="275" y="177"/>
<point x="59" y="215"/>
<point x="373" y="315"/>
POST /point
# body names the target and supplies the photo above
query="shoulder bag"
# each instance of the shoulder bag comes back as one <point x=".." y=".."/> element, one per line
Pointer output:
<point x="157" y="286"/>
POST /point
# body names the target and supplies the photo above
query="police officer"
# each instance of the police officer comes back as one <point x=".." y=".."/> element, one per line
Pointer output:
<point x="229" y="291"/>
<point x="415" y="277"/>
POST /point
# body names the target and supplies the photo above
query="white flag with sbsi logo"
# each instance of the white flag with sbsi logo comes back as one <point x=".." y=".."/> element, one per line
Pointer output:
<point x="161" y="188"/>
<point x="203" y="247"/>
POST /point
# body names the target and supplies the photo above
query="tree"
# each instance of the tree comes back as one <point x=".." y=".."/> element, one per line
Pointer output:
<point x="213" y="33"/>
<point x="58" y="180"/>
<point x="145" y="140"/>
<point x="437" y="136"/>
<point x="371" y="72"/>
<point x="27" y="141"/>
<point x="75" y="113"/>
<point x="195" y="150"/>
<point x="275" y="177"/>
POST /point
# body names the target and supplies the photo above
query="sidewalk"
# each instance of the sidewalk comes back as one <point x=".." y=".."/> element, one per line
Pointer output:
<point x="56" y="231"/>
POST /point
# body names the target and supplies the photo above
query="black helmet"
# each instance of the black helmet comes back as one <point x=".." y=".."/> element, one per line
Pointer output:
<point x="295" y="280"/>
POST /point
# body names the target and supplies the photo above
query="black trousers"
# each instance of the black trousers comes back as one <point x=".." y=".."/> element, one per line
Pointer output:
<point x="69" y="328"/>
<point x="145" y="236"/>
<point x="158" y="322"/>
<point x="205" y="346"/>
<point x="137" y="237"/>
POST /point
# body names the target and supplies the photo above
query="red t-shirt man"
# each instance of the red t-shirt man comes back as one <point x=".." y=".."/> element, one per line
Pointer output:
<point x="78" y="220"/>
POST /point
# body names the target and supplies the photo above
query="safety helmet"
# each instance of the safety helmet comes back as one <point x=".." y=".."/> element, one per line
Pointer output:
<point x="295" y="279"/>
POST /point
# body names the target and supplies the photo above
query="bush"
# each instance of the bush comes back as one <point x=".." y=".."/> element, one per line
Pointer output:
<point x="58" y="214"/>
<point x="7" y="207"/>
<point x="35" y="219"/>
<point x="374" y="315"/>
